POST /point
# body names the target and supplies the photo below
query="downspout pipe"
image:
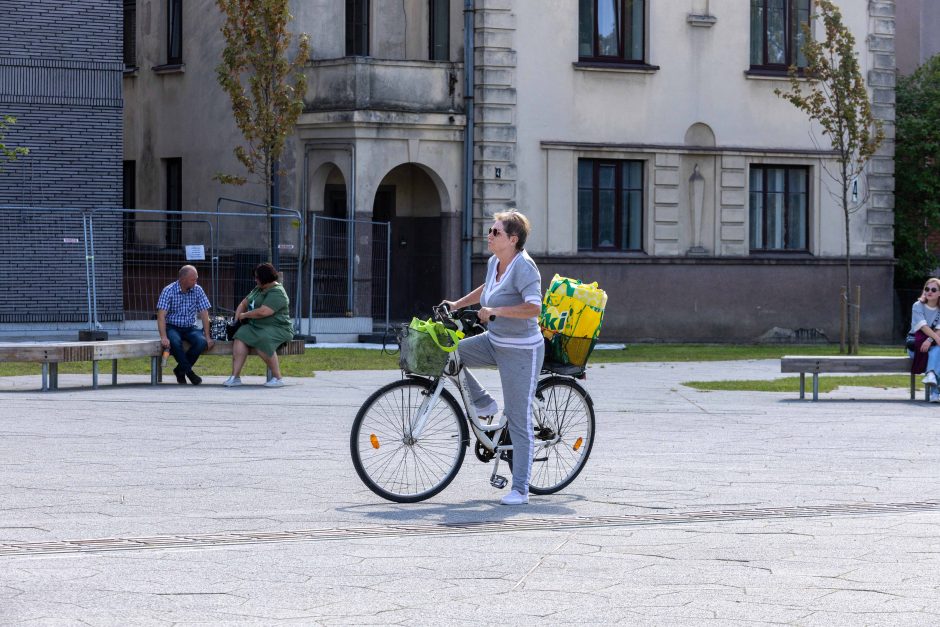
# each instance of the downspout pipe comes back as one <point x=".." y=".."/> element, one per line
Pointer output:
<point x="468" y="89"/>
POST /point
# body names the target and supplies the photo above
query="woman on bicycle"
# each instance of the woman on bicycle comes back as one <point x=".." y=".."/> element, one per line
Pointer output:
<point x="512" y="296"/>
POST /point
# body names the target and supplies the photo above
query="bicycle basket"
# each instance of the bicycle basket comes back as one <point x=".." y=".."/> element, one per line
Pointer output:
<point x="567" y="350"/>
<point x="425" y="347"/>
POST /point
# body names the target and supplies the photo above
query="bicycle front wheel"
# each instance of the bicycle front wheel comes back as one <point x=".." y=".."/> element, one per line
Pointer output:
<point x="392" y="459"/>
<point x="566" y="414"/>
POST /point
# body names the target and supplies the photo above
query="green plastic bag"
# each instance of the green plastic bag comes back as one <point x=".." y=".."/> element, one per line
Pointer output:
<point x="425" y="347"/>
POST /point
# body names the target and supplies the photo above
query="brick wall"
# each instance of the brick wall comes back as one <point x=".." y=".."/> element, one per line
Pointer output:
<point x="60" y="75"/>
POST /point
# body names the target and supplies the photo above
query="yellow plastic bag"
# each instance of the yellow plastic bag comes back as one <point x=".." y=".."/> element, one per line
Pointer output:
<point x="571" y="318"/>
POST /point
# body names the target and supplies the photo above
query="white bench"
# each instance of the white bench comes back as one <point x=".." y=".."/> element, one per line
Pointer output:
<point x="51" y="354"/>
<point x="845" y="364"/>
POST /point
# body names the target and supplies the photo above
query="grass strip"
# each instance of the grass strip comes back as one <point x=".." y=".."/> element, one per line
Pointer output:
<point x="324" y="359"/>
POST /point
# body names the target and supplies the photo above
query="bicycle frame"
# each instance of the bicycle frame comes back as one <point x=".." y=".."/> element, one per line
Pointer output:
<point x="454" y="372"/>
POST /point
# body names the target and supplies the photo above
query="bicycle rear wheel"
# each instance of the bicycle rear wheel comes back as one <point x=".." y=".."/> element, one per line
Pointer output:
<point x="567" y="412"/>
<point x="390" y="460"/>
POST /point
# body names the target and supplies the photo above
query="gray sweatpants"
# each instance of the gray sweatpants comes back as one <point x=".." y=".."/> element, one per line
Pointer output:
<point x="519" y="369"/>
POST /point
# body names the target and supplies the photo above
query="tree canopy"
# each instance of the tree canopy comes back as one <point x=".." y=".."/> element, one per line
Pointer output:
<point x="9" y="153"/>
<point x="831" y="91"/>
<point x="917" y="174"/>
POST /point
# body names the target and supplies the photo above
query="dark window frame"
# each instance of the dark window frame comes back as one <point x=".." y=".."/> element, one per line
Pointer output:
<point x="129" y="200"/>
<point x="174" y="203"/>
<point x="357" y="28"/>
<point x="438" y="42"/>
<point x="130" y="34"/>
<point x="792" y="35"/>
<point x="787" y="192"/>
<point x="174" y="32"/>
<point x="619" y="210"/>
<point x="622" y="56"/>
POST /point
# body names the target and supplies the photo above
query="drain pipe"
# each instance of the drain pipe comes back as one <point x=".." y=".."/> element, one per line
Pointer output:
<point x="467" y="234"/>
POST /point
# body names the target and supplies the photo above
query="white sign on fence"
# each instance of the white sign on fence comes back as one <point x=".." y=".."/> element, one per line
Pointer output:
<point x="195" y="252"/>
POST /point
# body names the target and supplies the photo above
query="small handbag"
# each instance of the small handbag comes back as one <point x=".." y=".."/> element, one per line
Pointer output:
<point x="231" y="328"/>
<point x="217" y="326"/>
<point x="913" y="340"/>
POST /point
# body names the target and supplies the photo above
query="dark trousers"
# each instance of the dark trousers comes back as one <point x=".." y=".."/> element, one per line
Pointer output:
<point x="197" y="345"/>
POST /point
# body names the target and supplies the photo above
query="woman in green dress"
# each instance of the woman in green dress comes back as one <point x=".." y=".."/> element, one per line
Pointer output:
<point x="265" y="324"/>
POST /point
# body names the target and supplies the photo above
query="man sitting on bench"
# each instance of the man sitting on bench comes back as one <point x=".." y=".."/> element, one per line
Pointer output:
<point x="177" y="307"/>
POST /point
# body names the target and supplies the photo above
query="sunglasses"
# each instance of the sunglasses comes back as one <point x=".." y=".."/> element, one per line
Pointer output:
<point x="932" y="289"/>
<point x="494" y="231"/>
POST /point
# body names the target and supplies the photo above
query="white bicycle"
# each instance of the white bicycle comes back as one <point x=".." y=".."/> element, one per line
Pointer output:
<point x="410" y="437"/>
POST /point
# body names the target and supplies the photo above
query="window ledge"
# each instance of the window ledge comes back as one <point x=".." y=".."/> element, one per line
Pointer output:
<point x="131" y="71"/>
<point x="759" y="74"/>
<point x="170" y="68"/>
<point x="630" y="68"/>
<point x="780" y="253"/>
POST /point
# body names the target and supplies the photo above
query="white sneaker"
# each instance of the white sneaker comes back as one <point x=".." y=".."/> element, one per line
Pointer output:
<point x="515" y="498"/>
<point x="488" y="410"/>
<point x="930" y="378"/>
<point x="274" y="383"/>
<point x="232" y="382"/>
<point x="934" y="396"/>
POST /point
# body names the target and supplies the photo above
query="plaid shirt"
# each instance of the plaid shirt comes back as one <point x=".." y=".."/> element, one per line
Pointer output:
<point x="181" y="307"/>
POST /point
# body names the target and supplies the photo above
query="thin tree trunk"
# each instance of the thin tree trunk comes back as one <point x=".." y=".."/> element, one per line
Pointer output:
<point x="850" y="326"/>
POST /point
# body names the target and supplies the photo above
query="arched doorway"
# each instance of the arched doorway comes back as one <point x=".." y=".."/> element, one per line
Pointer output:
<point x="410" y="200"/>
<point x="328" y="243"/>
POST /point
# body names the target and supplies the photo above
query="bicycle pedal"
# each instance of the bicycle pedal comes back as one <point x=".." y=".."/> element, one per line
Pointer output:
<point x="498" y="481"/>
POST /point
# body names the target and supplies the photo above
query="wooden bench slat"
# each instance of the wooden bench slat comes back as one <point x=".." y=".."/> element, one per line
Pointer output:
<point x="851" y="364"/>
<point x="50" y="354"/>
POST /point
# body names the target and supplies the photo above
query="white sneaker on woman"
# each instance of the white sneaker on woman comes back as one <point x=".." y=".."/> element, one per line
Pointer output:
<point x="515" y="498"/>
<point x="930" y="378"/>
<point x="274" y="383"/>
<point x="232" y="382"/>
<point x="934" y="396"/>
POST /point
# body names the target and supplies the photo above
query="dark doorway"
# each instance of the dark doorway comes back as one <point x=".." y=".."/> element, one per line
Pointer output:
<point x="415" y="258"/>
<point x="331" y="265"/>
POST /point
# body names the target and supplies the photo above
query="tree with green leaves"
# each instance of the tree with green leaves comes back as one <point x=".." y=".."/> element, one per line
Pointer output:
<point x="917" y="173"/>
<point x="9" y="153"/>
<point x="265" y="86"/>
<point x="831" y="91"/>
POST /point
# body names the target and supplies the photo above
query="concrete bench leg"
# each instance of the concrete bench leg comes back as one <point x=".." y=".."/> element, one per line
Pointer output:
<point x="815" y="386"/>
<point x="45" y="377"/>
<point x="94" y="375"/>
<point x="154" y="365"/>
<point x="114" y="371"/>
<point x="913" y="396"/>
<point x="802" y="385"/>
<point x="53" y="376"/>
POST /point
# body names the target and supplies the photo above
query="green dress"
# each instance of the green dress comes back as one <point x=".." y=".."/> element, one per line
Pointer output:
<point x="266" y="334"/>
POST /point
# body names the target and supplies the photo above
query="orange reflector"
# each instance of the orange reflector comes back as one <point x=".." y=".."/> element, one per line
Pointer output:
<point x="374" y="440"/>
<point x="577" y="443"/>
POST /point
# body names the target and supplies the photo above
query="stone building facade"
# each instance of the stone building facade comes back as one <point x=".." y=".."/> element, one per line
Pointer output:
<point x="918" y="33"/>
<point x="60" y="77"/>
<point x="654" y="158"/>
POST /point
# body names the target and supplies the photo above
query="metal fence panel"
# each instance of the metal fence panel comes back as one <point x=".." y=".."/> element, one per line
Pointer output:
<point x="45" y="256"/>
<point x="348" y="275"/>
<point x="224" y="246"/>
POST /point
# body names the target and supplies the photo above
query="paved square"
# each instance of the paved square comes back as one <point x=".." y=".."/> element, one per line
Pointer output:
<point x="209" y="505"/>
